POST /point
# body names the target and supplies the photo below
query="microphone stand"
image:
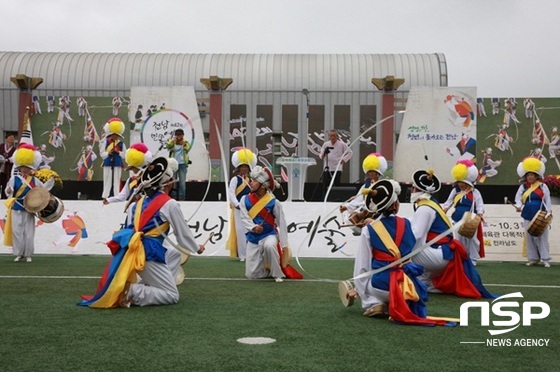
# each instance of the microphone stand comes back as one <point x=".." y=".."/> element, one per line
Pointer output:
<point x="322" y="177"/>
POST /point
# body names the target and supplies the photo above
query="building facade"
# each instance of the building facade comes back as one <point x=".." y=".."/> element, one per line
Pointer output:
<point x="280" y="104"/>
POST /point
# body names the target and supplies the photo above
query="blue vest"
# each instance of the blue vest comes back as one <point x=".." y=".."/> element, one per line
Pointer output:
<point x="18" y="182"/>
<point x="267" y="229"/>
<point x="114" y="160"/>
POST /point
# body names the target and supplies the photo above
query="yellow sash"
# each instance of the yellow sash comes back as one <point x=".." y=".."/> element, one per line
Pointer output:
<point x="255" y="209"/>
<point x="459" y="195"/>
<point x="528" y="192"/>
<point x="437" y="208"/>
<point x="231" y="242"/>
<point x="524" y="197"/>
<point x="108" y="149"/>
<point x="241" y="187"/>
<point x="8" y="229"/>
<point x="407" y="286"/>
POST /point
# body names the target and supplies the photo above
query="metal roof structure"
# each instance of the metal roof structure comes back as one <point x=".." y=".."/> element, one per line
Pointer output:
<point x="105" y="74"/>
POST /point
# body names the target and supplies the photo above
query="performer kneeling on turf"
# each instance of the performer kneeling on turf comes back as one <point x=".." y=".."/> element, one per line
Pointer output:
<point x="447" y="267"/>
<point x="395" y="291"/>
<point x="138" y="248"/>
<point x="264" y="220"/>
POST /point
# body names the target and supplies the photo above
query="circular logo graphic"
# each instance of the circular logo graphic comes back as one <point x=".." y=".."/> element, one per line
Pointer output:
<point x="160" y="127"/>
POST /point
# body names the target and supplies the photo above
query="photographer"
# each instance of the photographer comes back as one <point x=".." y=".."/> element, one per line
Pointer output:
<point x="179" y="150"/>
<point x="332" y="152"/>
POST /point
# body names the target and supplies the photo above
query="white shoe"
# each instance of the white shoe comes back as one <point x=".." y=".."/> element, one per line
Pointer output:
<point x="474" y="263"/>
<point x="278" y="280"/>
<point x="18" y="258"/>
<point x="531" y="263"/>
<point x="28" y="259"/>
<point x="241" y="260"/>
<point x="546" y="264"/>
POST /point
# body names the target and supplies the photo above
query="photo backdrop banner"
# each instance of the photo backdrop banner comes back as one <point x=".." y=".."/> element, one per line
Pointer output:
<point x="314" y="229"/>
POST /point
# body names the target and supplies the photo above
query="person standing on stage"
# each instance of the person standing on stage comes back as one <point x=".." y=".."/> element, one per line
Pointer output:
<point x="179" y="150"/>
<point x="334" y="152"/>
<point x="532" y="197"/>
<point x="112" y="150"/>
<point x="465" y="198"/>
<point x="243" y="160"/>
<point x="7" y="150"/>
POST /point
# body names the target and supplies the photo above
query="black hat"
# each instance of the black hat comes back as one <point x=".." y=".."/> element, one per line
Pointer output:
<point x="426" y="180"/>
<point x="382" y="195"/>
<point x="154" y="172"/>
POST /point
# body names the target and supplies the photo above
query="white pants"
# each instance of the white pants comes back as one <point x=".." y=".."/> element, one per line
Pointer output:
<point x="472" y="245"/>
<point x="111" y="177"/>
<point x="263" y="260"/>
<point x="434" y="264"/>
<point x="538" y="248"/>
<point x="373" y="296"/>
<point x="157" y="286"/>
<point x="23" y="233"/>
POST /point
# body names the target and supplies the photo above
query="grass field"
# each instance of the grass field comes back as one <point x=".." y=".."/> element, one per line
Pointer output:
<point x="42" y="329"/>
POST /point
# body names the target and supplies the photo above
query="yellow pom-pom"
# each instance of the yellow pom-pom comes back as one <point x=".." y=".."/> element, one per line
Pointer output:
<point x="116" y="127"/>
<point x="246" y="157"/>
<point x="24" y="157"/>
<point x="460" y="172"/>
<point x="532" y="165"/>
<point x="371" y="162"/>
<point x="134" y="158"/>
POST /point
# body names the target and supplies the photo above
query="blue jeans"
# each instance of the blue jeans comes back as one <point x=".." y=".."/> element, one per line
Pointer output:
<point x="182" y="178"/>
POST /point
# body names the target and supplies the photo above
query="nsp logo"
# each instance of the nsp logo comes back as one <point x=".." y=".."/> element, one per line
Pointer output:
<point x="499" y="308"/>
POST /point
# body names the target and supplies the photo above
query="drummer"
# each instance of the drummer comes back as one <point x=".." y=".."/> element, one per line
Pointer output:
<point x="374" y="166"/>
<point x="532" y="197"/>
<point x="465" y="198"/>
<point x="447" y="267"/>
<point x="19" y="231"/>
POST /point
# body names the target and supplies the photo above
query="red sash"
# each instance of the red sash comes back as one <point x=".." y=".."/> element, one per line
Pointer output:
<point x="267" y="215"/>
<point x="453" y="279"/>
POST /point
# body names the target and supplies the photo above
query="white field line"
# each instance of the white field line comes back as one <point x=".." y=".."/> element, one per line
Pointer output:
<point x="330" y="281"/>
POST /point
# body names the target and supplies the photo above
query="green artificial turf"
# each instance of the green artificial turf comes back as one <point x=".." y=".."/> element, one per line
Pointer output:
<point x="42" y="329"/>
